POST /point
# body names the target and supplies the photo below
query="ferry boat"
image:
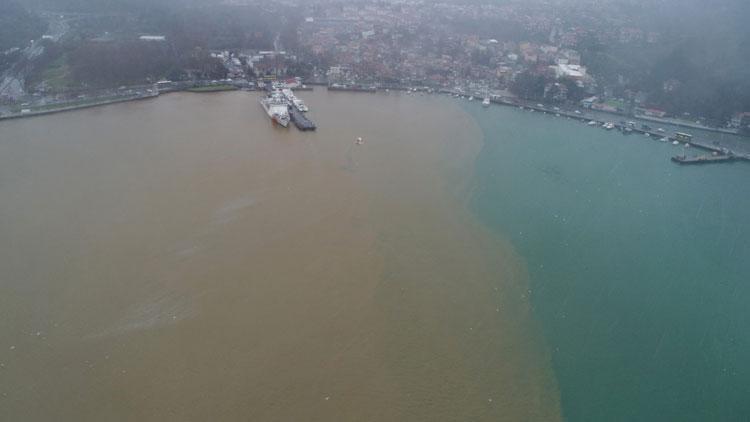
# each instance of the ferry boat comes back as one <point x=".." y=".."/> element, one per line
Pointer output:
<point x="486" y="102"/>
<point x="277" y="108"/>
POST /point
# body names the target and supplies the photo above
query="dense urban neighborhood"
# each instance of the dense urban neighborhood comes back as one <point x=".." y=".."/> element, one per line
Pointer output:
<point x="603" y="56"/>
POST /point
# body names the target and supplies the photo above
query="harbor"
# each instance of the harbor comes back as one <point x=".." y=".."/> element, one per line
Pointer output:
<point x="719" y="152"/>
<point x="288" y="107"/>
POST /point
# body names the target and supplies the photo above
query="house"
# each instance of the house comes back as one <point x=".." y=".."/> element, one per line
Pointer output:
<point x="588" y="102"/>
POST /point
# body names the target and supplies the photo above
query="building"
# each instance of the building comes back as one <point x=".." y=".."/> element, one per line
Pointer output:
<point x="566" y="70"/>
<point x="588" y="102"/>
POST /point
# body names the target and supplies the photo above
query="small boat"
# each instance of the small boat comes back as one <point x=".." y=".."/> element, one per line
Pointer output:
<point x="676" y="143"/>
<point x="592" y="123"/>
<point x="471" y="98"/>
<point x="664" y="139"/>
<point x="486" y="102"/>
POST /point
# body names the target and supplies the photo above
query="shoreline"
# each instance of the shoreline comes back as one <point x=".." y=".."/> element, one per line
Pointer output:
<point x="699" y="142"/>
<point x="157" y="93"/>
<point x="78" y="107"/>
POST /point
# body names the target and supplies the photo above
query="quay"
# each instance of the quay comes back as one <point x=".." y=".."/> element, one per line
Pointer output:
<point x="95" y="102"/>
<point x="300" y="120"/>
<point x="354" y="88"/>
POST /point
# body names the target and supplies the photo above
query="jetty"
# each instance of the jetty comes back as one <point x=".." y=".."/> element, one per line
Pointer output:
<point x="300" y="120"/>
<point x="703" y="159"/>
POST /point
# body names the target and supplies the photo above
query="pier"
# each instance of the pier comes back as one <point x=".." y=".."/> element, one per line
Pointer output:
<point x="704" y="159"/>
<point x="300" y="120"/>
<point x="722" y="153"/>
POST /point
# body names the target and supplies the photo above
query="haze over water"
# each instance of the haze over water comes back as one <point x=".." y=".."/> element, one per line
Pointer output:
<point x="639" y="268"/>
<point x="181" y="259"/>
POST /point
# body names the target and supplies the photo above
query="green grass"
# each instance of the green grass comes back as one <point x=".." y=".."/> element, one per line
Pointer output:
<point x="57" y="75"/>
<point x="617" y="104"/>
<point x="214" y="88"/>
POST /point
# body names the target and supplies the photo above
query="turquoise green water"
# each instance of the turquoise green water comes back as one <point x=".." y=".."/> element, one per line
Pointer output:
<point x="640" y="268"/>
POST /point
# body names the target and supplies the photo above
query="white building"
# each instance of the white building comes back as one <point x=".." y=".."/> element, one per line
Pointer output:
<point x="573" y="71"/>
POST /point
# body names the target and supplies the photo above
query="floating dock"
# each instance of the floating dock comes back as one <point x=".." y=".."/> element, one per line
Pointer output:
<point x="300" y="120"/>
<point x="703" y="159"/>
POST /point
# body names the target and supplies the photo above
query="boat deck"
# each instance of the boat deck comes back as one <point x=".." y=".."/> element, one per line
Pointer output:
<point x="300" y="120"/>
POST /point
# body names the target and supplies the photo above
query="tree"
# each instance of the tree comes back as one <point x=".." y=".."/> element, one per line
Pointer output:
<point x="528" y="85"/>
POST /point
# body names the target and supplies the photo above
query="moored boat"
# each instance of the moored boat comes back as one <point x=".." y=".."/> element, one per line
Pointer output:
<point x="277" y="108"/>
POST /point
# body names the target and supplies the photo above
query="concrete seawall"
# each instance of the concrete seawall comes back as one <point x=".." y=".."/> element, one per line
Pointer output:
<point x="78" y="107"/>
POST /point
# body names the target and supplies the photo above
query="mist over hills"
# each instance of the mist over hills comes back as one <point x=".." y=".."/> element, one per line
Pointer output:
<point x="698" y="66"/>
